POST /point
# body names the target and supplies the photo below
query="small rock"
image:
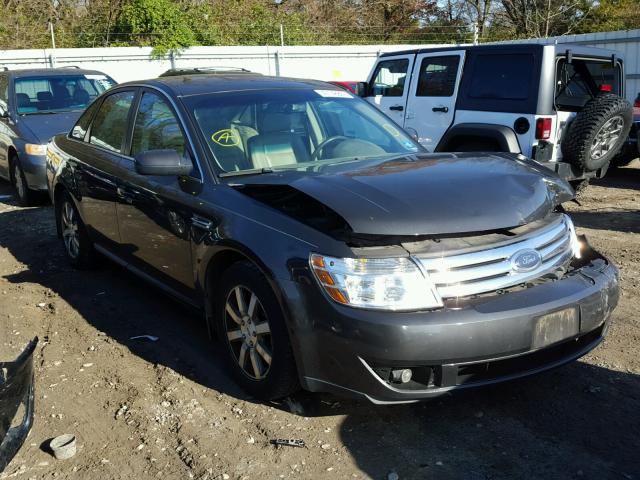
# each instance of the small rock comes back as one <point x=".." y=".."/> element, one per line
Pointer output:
<point x="87" y="365"/>
<point x="393" y="476"/>
<point x="166" y="403"/>
<point x="325" y="446"/>
<point x="42" y="305"/>
<point x="251" y="440"/>
<point x="329" y="469"/>
<point x="439" y="463"/>
<point x="140" y="447"/>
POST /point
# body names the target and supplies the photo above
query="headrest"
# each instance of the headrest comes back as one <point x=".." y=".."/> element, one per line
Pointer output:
<point x="44" y="96"/>
<point x="23" y="100"/>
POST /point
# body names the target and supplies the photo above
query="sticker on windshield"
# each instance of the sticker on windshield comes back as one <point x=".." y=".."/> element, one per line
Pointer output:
<point x="391" y="129"/>
<point x="95" y="77"/>
<point x="333" y="93"/>
<point x="226" y="138"/>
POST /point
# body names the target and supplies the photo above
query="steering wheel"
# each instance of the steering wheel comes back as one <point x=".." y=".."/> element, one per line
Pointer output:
<point x="318" y="150"/>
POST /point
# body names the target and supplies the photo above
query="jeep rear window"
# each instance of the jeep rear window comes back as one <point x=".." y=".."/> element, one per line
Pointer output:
<point x="501" y="76"/>
<point x="581" y="80"/>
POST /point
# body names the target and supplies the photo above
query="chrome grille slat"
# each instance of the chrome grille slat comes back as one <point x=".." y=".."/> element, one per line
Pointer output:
<point x="491" y="269"/>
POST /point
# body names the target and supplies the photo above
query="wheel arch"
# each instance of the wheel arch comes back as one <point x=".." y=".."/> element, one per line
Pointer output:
<point x="504" y="137"/>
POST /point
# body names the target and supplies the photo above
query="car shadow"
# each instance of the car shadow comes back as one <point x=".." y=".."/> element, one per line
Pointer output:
<point x="580" y="421"/>
<point x="621" y="220"/>
<point x="623" y="177"/>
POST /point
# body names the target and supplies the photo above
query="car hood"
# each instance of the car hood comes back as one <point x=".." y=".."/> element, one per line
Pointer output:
<point x="44" y="126"/>
<point x="435" y="194"/>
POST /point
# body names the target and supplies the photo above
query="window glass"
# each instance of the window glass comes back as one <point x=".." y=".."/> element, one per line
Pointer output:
<point x="389" y="78"/>
<point x="58" y="93"/>
<point x="110" y="123"/>
<point x="156" y="127"/>
<point x="298" y="128"/>
<point x="438" y="76"/>
<point x="80" y="128"/>
<point x="4" y="86"/>
<point x="499" y="76"/>
<point x="580" y="81"/>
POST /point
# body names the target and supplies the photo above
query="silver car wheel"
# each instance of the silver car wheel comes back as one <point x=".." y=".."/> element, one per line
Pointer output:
<point x="248" y="332"/>
<point x="607" y="137"/>
<point x="70" y="230"/>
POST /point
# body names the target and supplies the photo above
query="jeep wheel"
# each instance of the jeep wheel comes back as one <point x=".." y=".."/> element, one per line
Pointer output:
<point x="24" y="195"/>
<point x="251" y="325"/>
<point x="598" y="132"/>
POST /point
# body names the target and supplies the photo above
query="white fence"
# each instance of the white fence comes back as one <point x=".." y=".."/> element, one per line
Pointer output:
<point x="349" y="62"/>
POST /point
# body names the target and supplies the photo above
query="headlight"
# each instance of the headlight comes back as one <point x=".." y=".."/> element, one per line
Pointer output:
<point x="575" y="243"/>
<point x="33" y="149"/>
<point x="375" y="283"/>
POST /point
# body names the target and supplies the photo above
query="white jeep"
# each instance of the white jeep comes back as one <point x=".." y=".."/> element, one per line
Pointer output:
<point x="561" y="105"/>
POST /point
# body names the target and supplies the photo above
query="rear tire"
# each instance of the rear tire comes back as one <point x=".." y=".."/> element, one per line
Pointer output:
<point x="77" y="245"/>
<point x="251" y="325"/>
<point x="25" y="196"/>
<point x="598" y="132"/>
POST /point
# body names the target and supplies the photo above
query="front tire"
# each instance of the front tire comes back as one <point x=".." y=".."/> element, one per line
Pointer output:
<point x="24" y="195"/>
<point x="77" y="245"/>
<point x="251" y="325"/>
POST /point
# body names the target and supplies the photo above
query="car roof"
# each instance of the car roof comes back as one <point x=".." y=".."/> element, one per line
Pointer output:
<point x="522" y="46"/>
<point x="186" y="85"/>
<point x="52" y="72"/>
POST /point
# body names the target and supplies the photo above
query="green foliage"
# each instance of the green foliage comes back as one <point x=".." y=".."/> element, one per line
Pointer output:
<point x="162" y="24"/>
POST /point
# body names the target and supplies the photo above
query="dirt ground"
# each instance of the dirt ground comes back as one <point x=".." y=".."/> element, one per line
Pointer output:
<point x="165" y="409"/>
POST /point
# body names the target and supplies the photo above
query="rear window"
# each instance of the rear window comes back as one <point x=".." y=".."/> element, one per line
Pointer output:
<point x="581" y="80"/>
<point x="58" y="93"/>
<point x="506" y="76"/>
<point x="438" y="76"/>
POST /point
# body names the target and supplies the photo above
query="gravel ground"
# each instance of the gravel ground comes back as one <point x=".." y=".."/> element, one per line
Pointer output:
<point x="165" y="409"/>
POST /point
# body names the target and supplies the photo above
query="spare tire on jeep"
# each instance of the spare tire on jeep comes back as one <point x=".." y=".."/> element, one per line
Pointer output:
<point x="598" y="132"/>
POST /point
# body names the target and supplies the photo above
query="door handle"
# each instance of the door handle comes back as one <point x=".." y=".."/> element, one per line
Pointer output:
<point x="440" y="109"/>
<point x="397" y="108"/>
<point x="123" y="195"/>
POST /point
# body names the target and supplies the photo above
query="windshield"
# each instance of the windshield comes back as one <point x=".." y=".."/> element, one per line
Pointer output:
<point x="292" y="128"/>
<point x="58" y="93"/>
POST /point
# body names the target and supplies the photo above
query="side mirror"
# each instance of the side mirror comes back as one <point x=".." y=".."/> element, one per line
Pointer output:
<point x="162" y="162"/>
<point x="362" y="89"/>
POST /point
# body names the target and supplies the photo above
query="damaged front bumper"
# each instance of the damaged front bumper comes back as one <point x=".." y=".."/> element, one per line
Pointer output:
<point x="16" y="403"/>
<point x="487" y="340"/>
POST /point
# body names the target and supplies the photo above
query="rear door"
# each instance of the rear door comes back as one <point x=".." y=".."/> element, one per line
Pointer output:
<point x="389" y="85"/>
<point x="432" y="95"/>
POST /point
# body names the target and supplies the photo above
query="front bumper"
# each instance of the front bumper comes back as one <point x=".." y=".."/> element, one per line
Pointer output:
<point x="16" y="391"/>
<point x="35" y="170"/>
<point x="488" y="340"/>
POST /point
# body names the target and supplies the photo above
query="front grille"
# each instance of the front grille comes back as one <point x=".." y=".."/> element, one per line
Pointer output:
<point x="492" y="268"/>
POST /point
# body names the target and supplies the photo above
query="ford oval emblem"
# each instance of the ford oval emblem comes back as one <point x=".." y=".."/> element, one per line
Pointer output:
<point x="525" y="260"/>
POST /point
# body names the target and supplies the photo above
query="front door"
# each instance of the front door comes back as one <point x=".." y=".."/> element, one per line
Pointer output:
<point x="389" y="86"/>
<point x="154" y="216"/>
<point x="432" y="96"/>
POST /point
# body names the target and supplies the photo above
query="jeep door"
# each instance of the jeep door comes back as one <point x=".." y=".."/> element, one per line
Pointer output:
<point x="94" y="157"/>
<point x="154" y="213"/>
<point x="389" y="86"/>
<point x="432" y="95"/>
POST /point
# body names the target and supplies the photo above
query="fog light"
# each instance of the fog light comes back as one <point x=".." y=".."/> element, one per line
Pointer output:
<point x="401" y="376"/>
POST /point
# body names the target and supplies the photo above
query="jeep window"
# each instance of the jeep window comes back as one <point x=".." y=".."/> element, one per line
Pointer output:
<point x="505" y="76"/>
<point x="581" y="80"/>
<point x="438" y="76"/>
<point x="110" y="123"/>
<point x="58" y="93"/>
<point x="389" y="78"/>
<point x="293" y="128"/>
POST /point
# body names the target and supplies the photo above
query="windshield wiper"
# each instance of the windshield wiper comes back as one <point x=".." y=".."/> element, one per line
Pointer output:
<point x="253" y="171"/>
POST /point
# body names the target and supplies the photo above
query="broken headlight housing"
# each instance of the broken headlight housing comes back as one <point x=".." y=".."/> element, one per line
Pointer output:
<point x="375" y="283"/>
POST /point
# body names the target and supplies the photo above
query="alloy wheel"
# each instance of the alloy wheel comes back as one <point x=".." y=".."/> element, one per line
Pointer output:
<point x="248" y="332"/>
<point x="607" y="137"/>
<point x="70" y="234"/>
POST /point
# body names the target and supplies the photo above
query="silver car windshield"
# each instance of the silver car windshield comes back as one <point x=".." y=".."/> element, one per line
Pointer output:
<point x="272" y="129"/>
